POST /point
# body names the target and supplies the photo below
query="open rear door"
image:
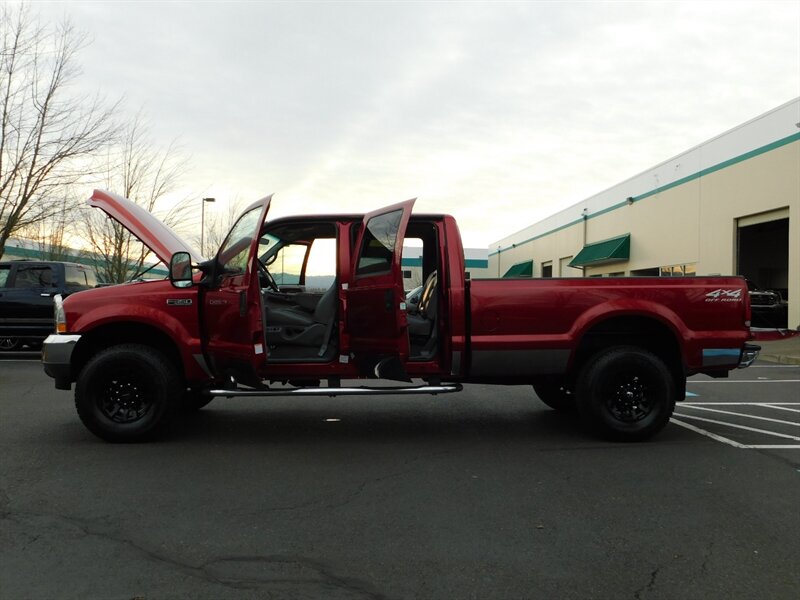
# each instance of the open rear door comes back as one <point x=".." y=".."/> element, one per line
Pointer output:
<point x="232" y="321"/>
<point x="376" y="312"/>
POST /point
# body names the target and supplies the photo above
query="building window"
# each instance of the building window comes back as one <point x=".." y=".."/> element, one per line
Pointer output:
<point x="688" y="270"/>
<point x="652" y="272"/>
<point x="547" y="269"/>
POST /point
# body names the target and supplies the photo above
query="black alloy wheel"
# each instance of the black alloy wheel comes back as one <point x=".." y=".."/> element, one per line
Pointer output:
<point x="128" y="393"/>
<point x="628" y="398"/>
<point x="626" y="393"/>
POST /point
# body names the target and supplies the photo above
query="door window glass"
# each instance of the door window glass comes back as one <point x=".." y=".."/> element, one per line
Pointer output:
<point x="79" y="276"/>
<point x="4" y="271"/>
<point x="236" y="249"/>
<point x="377" y="249"/>
<point x="33" y="277"/>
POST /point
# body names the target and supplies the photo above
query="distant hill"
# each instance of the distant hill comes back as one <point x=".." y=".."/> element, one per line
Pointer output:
<point x="313" y="282"/>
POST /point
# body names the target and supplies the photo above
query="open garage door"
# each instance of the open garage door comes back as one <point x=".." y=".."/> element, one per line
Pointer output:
<point x="763" y="258"/>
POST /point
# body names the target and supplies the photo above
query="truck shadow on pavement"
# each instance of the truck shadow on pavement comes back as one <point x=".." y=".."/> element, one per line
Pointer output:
<point x="393" y="423"/>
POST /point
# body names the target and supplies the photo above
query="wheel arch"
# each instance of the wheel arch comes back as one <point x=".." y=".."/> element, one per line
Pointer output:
<point x="128" y="332"/>
<point x="640" y="330"/>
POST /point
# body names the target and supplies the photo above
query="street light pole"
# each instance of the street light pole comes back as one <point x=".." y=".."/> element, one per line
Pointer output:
<point x="203" y="224"/>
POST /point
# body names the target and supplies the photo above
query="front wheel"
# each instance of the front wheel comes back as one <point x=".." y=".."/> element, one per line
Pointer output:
<point x="626" y="394"/>
<point x="127" y="393"/>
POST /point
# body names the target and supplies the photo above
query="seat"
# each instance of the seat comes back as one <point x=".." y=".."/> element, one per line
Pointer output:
<point x="421" y="324"/>
<point x="292" y="325"/>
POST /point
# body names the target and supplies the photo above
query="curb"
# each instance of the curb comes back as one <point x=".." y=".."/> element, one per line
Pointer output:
<point x="780" y="359"/>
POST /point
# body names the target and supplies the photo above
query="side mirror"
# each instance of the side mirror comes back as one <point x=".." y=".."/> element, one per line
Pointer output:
<point x="180" y="270"/>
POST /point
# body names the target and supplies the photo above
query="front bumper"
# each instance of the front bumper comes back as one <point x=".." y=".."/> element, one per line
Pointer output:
<point x="749" y="355"/>
<point x="57" y="358"/>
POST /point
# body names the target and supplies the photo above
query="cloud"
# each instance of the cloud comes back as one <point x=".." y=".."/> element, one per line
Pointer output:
<point x="500" y="113"/>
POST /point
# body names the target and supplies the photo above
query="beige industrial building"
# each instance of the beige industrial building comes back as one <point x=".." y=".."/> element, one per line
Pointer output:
<point x="728" y="206"/>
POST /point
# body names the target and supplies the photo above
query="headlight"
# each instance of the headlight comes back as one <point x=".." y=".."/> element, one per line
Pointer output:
<point x="59" y="314"/>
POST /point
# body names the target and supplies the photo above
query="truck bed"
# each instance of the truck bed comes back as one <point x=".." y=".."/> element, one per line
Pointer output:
<point x="521" y="327"/>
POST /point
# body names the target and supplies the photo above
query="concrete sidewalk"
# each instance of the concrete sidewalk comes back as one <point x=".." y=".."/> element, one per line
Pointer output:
<point x="781" y="351"/>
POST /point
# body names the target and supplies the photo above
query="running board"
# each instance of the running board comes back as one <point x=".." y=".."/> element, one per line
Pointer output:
<point x="340" y="391"/>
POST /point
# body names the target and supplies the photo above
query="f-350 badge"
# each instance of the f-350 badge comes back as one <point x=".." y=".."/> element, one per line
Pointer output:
<point x="179" y="301"/>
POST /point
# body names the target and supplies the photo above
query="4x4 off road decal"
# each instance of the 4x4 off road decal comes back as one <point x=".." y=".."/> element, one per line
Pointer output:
<point x="724" y="296"/>
<point x="179" y="301"/>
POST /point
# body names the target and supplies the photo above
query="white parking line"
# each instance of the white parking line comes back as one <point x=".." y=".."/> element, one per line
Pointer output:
<point x="735" y="426"/>
<point x="775" y="406"/>
<point x="691" y="381"/>
<point x="738" y="414"/>
<point x="713" y="436"/>
<point x="772" y="404"/>
<point x="733" y="443"/>
<point x="773" y="446"/>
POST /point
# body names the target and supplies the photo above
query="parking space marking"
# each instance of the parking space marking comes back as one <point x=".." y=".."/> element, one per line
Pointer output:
<point x="693" y="381"/>
<point x="738" y="414"/>
<point x="745" y="427"/>
<point x="713" y="436"/>
<point x="772" y="404"/>
<point x="775" y="406"/>
<point x="734" y="443"/>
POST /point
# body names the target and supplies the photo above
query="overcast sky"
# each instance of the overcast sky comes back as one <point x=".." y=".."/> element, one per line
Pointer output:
<point x="498" y="113"/>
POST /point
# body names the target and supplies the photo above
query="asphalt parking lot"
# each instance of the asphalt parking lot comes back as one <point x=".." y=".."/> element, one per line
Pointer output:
<point x="484" y="494"/>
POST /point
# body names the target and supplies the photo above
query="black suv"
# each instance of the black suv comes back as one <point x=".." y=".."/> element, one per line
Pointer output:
<point x="27" y="288"/>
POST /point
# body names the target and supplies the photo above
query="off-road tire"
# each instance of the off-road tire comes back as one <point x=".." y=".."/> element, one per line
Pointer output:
<point x="128" y="393"/>
<point x="626" y="394"/>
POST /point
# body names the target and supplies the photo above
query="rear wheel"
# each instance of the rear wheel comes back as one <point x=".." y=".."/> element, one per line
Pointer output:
<point x="626" y="394"/>
<point x="127" y="393"/>
<point x="556" y="395"/>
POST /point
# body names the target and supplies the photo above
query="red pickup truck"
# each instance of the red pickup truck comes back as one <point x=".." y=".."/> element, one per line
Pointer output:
<point x="248" y="322"/>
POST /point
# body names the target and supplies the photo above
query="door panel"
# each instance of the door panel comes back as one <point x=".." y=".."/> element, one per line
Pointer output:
<point x="376" y="316"/>
<point x="26" y="302"/>
<point x="232" y="321"/>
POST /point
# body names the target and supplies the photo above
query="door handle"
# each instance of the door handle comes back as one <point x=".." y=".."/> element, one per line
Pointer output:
<point x="389" y="300"/>
<point x="242" y="304"/>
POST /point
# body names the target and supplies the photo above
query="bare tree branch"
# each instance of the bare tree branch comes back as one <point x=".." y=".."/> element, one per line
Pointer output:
<point x="48" y="137"/>
<point x="145" y="174"/>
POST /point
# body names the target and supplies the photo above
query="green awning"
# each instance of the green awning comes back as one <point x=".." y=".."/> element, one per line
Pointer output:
<point x="523" y="269"/>
<point x="600" y="253"/>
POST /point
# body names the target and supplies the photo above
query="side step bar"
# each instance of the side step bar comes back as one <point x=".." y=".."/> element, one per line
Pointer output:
<point x="340" y="391"/>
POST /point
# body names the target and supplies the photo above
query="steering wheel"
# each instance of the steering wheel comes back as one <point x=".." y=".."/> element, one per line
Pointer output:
<point x="266" y="276"/>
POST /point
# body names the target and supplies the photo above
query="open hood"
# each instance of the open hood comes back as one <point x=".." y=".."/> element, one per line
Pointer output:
<point x="153" y="233"/>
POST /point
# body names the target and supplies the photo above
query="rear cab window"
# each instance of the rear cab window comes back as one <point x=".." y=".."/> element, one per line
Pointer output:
<point x="79" y="277"/>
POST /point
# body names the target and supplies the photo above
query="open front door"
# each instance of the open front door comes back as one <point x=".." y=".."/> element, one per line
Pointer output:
<point x="376" y="312"/>
<point x="232" y="322"/>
